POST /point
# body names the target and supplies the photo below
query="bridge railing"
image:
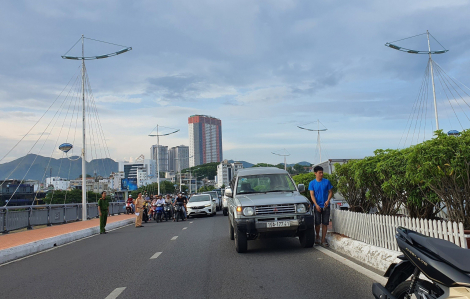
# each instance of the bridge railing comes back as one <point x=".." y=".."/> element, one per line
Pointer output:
<point x="19" y="217"/>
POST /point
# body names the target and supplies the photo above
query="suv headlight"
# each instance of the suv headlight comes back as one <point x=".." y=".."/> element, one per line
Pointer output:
<point x="301" y="208"/>
<point x="248" y="211"/>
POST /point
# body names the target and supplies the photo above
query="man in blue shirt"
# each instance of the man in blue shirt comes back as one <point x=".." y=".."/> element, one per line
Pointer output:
<point x="321" y="192"/>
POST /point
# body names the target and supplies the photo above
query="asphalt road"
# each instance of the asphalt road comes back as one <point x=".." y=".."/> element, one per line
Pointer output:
<point x="200" y="263"/>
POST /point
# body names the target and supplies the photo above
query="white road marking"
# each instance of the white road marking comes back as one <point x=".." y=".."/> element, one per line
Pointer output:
<point x="372" y="275"/>
<point x="185" y="228"/>
<point x="114" y="294"/>
<point x="55" y="247"/>
<point x="155" y="255"/>
<point x="191" y="222"/>
<point x="174" y="238"/>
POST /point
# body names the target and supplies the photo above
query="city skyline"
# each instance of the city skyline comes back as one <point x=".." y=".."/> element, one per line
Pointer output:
<point x="262" y="69"/>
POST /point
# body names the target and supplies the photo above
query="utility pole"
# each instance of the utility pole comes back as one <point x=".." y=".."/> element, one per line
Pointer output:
<point x="432" y="79"/>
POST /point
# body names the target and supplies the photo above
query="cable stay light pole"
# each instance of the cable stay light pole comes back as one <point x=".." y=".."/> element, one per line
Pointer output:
<point x="429" y="52"/>
<point x="179" y="168"/>
<point x="158" y="149"/>
<point x="318" y="130"/>
<point x="83" y="58"/>
<point x="284" y="153"/>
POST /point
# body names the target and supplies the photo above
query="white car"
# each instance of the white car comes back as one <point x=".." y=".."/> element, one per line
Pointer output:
<point x="201" y="204"/>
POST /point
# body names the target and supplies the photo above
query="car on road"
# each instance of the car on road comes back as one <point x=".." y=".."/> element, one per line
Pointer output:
<point x="218" y="198"/>
<point x="225" y="203"/>
<point x="201" y="204"/>
<point x="265" y="202"/>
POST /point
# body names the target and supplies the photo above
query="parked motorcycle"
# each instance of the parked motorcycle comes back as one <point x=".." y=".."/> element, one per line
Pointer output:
<point x="168" y="211"/>
<point x="179" y="211"/>
<point x="445" y="264"/>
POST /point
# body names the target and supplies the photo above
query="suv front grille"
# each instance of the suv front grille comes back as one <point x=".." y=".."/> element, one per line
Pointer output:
<point x="275" y="209"/>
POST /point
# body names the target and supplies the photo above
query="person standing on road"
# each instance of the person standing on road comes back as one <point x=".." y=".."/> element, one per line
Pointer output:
<point x="139" y="209"/>
<point x="321" y="192"/>
<point x="103" y="210"/>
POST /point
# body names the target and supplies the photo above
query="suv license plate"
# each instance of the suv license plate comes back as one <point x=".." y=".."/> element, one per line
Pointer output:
<point x="277" y="224"/>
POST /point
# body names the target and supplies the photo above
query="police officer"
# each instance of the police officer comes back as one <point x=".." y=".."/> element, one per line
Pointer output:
<point x="103" y="205"/>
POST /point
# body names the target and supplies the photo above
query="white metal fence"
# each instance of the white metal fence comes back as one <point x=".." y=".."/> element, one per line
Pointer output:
<point x="379" y="230"/>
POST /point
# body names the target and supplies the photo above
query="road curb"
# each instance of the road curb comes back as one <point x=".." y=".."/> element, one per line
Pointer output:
<point x="376" y="257"/>
<point x="13" y="253"/>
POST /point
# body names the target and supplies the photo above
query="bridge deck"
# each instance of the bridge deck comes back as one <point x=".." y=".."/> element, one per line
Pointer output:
<point x="24" y="237"/>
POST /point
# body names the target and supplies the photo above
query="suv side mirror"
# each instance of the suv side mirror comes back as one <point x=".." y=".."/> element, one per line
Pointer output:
<point x="301" y="188"/>
<point x="228" y="193"/>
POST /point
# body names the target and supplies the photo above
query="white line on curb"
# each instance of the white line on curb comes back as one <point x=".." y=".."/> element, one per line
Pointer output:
<point x="185" y="228"/>
<point x="174" y="238"/>
<point x="155" y="255"/>
<point x="114" y="294"/>
<point x="55" y="247"/>
<point x="372" y="275"/>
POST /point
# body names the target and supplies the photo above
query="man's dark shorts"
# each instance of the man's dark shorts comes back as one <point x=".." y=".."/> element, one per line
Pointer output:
<point x="322" y="217"/>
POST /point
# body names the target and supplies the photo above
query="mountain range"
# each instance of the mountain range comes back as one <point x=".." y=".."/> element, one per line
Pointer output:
<point x="35" y="167"/>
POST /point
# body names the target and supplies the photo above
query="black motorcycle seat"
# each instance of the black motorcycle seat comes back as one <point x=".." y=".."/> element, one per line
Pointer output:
<point x="449" y="252"/>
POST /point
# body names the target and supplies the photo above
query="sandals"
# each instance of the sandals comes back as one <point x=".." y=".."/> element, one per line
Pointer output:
<point x="325" y="245"/>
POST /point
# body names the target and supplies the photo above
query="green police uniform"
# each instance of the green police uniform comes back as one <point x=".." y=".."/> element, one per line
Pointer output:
<point x="104" y="205"/>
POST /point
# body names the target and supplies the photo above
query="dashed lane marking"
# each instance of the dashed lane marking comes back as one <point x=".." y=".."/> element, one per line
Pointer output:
<point x="190" y="222"/>
<point x="185" y="228"/>
<point x="155" y="255"/>
<point x="114" y="294"/>
<point x="174" y="238"/>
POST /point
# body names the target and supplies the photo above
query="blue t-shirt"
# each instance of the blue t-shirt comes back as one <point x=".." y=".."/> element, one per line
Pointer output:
<point x="320" y="189"/>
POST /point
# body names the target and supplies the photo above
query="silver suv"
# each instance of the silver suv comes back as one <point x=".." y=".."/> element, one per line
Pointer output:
<point x="264" y="202"/>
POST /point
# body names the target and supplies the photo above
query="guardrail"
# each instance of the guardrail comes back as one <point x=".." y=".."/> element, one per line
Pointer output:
<point x="379" y="230"/>
<point x="18" y="217"/>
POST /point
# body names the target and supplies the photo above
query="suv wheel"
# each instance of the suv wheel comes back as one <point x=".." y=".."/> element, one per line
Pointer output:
<point x="307" y="238"/>
<point x="241" y="241"/>
<point x="230" y="231"/>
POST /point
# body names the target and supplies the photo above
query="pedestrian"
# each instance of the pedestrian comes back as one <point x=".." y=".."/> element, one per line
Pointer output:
<point x="103" y="210"/>
<point x="321" y="192"/>
<point x="139" y="210"/>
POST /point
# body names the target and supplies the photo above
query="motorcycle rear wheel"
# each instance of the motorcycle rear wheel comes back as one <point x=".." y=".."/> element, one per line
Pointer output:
<point x="402" y="289"/>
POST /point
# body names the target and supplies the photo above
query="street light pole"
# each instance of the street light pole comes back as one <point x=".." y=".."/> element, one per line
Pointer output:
<point x="318" y="137"/>
<point x="158" y="148"/>
<point x="286" y="153"/>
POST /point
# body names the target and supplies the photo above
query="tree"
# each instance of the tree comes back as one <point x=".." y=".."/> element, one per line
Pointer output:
<point x="443" y="165"/>
<point x="349" y="189"/>
<point x="206" y="188"/>
<point x="72" y="196"/>
<point x="208" y="170"/>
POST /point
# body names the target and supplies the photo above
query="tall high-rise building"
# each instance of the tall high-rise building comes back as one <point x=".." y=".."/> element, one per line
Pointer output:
<point x="162" y="156"/>
<point x="205" y="139"/>
<point x="178" y="158"/>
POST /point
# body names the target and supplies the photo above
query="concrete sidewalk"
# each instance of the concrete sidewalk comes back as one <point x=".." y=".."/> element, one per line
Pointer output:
<point x="18" y="245"/>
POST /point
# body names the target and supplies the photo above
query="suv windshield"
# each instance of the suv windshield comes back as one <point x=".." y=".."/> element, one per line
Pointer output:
<point x="265" y="183"/>
<point x="197" y="198"/>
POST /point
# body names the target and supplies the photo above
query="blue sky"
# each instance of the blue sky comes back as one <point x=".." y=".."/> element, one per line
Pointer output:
<point x="262" y="67"/>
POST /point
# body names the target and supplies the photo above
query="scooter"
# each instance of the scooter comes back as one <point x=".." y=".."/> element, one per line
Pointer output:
<point x="129" y="208"/>
<point x="158" y="213"/>
<point x="168" y="210"/>
<point x="446" y="265"/>
<point x="179" y="211"/>
<point x="145" y="214"/>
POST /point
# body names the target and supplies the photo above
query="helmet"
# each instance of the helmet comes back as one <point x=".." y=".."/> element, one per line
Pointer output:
<point x="130" y="195"/>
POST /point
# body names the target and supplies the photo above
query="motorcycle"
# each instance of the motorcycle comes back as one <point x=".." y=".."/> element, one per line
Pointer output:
<point x="129" y="208"/>
<point x="168" y="210"/>
<point x="145" y="214"/>
<point x="179" y="211"/>
<point x="158" y="213"/>
<point x="445" y="264"/>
